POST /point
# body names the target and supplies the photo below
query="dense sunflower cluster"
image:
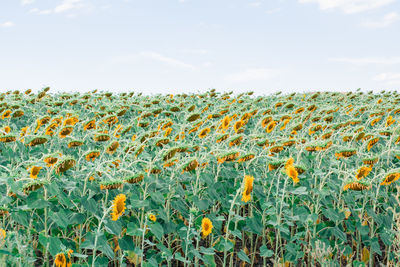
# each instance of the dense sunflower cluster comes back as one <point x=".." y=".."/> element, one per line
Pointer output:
<point x="210" y="179"/>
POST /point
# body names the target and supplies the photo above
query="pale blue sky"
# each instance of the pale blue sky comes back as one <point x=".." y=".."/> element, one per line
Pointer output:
<point x="171" y="46"/>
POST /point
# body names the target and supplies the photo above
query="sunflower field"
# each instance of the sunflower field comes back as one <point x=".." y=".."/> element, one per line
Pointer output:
<point x="212" y="179"/>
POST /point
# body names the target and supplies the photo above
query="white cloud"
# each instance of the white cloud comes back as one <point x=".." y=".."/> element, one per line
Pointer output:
<point x="63" y="7"/>
<point x="386" y="21"/>
<point x="41" y="12"/>
<point x="168" y="60"/>
<point x="349" y="6"/>
<point x="369" y="60"/>
<point x="389" y="78"/>
<point x="255" y="4"/>
<point x="7" y="24"/>
<point x="27" y="2"/>
<point x="67" y="5"/>
<point x="249" y="75"/>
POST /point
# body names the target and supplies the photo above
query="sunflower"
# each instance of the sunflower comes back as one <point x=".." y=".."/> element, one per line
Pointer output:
<point x="225" y="122"/>
<point x="112" y="147"/>
<point x="299" y="110"/>
<point x="285" y="122"/>
<point x="152" y="217"/>
<point x="6" y="114"/>
<point x="265" y="121"/>
<point x="206" y="227"/>
<point x="7" y="129"/>
<point x="238" y="125"/>
<point x="363" y="172"/>
<point x="75" y="143"/>
<point x="67" y="130"/>
<point x="291" y="170"/>
<point x="70" y="121"/>
<point x="34" y="171"/>
<point x="137" y="178"/>
<point x="2" y="234"/>
<point x="357" y="186"/>
<point x="92" y="155"/>
<point x="230" y="156"/>
<point x="51" y="161"/>
<point x="389" y="121"/>
<point x="203" y="133"/>
<point x="118" y="206"/>
<point x="60" y="260"/>
<point x="246" y="157"/>
<point x="271" y="126"/>
<point x="370" y="161"/>
<point x="372" y="142"/>
<point x="90" y="125"/>
<point x="390" y="178"/>
<point x="375" y="121"/>
<point x="168" y="131"/>
<point x="248" y="188"/>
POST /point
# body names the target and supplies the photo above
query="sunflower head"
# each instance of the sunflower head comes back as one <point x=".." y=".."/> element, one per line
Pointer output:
<point x="118" y="206"/>
<point x="60" y="260"/>
<point x="206" y="227"/>
<point x="152" y="217"/>
<point x="248" y="188"/>
<point x="34" y="171"/>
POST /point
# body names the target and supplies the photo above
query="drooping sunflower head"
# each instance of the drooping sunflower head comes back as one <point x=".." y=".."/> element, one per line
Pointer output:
<point x="248" y="188"/>
<point x="203" y="133"/>
<point x="118" y="206"/>
<point x="357" y="185"/>
<point x="206" y="227"/>
<point x="60" y="260"/>
<point x="271" y="126"/>
<point x="34" y="171"/>
<point x="363" y="172"/>
<point x="225" y="122"/>
<point x="239" y="124"/>
<point x="391" y="177"/>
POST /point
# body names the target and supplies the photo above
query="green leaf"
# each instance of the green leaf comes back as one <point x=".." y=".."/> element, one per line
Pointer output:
<point x="133" y="229"/>
<point x="180" y="258"/>
<point x="104" y="247"/>
<point x="210" y="260"/>
<point x="54" y="245"/>
<point x="243" y="256"/>
<point x="265" y="252"/>
<point x="38" y="204"/>
<point x="339" y="233"/>
<point x="157" y="230"/>
<point x="254" y="225"/>
<point x="207" y="251"/>
<point x="300" y="191"/>
<point x="21" y="217"/>
<point x="375" y="247"/>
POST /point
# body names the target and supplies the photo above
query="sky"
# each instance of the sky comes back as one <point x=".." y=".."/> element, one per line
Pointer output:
<point x="176" y="46"/>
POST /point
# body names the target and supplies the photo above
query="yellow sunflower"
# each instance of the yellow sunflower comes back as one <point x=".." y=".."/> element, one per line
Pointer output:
<point x="225" y="122"/>
<point x="6" y="114"/>
<point x="248" y="188"/>
<point x="206" y="227"/>
<point x="271" y="126"/>
<point x="203" y="133"/>
<point x="118" y="206"/>
<point x="291" y="171"/>
<point x="34" y="171"/>
<point x="363" y="172"/>
<point x="152" y="217"/>
<point x="238" y="125"/>
<point x="60" y="260"/>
